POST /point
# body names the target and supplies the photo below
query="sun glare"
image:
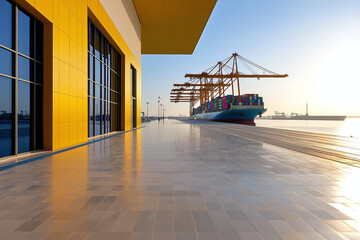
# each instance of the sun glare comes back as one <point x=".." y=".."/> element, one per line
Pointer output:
<point x="335" y="78"/>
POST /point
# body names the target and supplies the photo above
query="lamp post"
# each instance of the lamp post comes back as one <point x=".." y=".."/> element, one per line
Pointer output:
<point x="158" y="108"/>
<point x="161" y="106"/>
<point x="147" y="109"/>
<point x="164" y="112"/>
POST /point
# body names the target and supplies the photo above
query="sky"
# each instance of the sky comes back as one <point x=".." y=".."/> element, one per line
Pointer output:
<point x="315" y="42"/>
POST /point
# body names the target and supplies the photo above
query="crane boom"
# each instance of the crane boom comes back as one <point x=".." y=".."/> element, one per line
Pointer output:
<point x="216" y="80"/>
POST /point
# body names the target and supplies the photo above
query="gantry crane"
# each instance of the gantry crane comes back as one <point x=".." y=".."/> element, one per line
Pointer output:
<point x="215" y="81"/>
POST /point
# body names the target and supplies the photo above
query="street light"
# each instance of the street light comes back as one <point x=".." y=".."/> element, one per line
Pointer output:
<point x="161" y="106"/>
<point x="147" y="109"/>
<point x="158" y="108"/>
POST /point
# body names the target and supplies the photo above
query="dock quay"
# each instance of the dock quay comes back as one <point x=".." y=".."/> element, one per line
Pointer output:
<point x="192" y="180"/>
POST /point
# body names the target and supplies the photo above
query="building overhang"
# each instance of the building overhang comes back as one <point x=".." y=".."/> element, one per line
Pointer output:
<point x="172" y="26"/>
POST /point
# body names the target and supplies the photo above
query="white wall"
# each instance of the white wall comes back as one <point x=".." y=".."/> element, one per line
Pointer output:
<point x="124" y="16"/>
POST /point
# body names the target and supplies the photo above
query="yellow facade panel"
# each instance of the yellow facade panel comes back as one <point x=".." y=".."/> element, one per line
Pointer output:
<point x="66" y="23"/>
<point x="55" y="11"/>
<point x="63" y="18"/>
<point x="73" y="27"/>
<point x="73" y="137"/>
<point x="45" y="7"/>
<point x="64" y="46"/>
<point x="64" y="73"/>
<point x="55" y="135"/>
<point x="73" y="6"/>
<point x="56" y="33"/>
<point x="73" y="53"/>
<point x="56" y="106"/>
<point x="73" y="107"/>
<point x="82" y="111"/>
<point x="64" y="113"/>
<point x="82" y="85"/>
<point x="67" y="3"/>
<point x="56" y="74"/>
<point x="64" y="132"/>
<point x="73" y="83"/>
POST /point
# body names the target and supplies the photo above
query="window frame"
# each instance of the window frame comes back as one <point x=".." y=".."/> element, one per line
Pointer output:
<point x="36" y="87"/>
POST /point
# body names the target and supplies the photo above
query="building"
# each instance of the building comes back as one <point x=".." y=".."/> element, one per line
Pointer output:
<point x="70" y="70"/>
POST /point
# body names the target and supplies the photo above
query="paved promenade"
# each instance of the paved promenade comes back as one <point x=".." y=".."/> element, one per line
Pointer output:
<point x="187" y="180"/>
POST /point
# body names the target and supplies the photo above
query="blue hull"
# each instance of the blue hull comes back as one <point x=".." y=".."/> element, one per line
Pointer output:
<point x="242" y="116"/>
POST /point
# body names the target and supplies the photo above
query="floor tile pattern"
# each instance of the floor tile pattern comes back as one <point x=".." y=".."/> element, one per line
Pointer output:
<point x="180" y="180"/>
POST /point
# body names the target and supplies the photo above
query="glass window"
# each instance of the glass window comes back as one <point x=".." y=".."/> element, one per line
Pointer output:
<point x="108" y="117"/>
<point x="97" y="90"/>
<point x="134" y="101"/>
<point x="6" y="62"/>
<point x="26" y="69"/>
<point x="91" y="67"/>
<point x="39" y="73"/>
<point x="24" y="33"/>
<point x="97" y="117"/>
<point x="91" y="38"/>
<point x="39" y="41"/>
<point x="6" y="117"/>
<point x="27" y="82"/>
<point x="91" y="88"/>
<point x="97" y="71"/>
<point x="24" y="116"/>
<point x="91" y="117"/>
<point x="101" y="60"/>
<point x="97" y="44"/>
<point x="6" y="24"/>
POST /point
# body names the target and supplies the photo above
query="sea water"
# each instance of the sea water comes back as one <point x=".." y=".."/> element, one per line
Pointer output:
<point x="350" y="127"/>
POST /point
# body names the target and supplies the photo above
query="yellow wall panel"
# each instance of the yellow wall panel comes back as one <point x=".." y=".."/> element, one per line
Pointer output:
<point x="56" y="107"/>
<point x="56" y="74"/>
<point x="56" y="135"/>
<point x="64" y="113"/>
<point x="56" y="32"/>
<point x="64" y="132"/>
<point x="81" y="110"/>
<point x="73" y="137"/>
<point x="73" y="6"/>
<point x="67" y="3"/>
<point x="80" y="30"/>
<point x="73" y="106"/>
<point x="64" y="46"/>
<point x="45" y="7"/>
<point x="73" y="83"/>
<point x="55" y="10"/>
<point x="82" y="85"/>
<point x="64" y="17"/>
<point x="73" y="27"/>
<point x="73" y="53"/>
<point x="68" y="20"/>
<point x="64" y="77"/>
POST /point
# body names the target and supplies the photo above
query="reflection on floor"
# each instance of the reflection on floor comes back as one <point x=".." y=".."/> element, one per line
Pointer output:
<point x="180" y="180"/>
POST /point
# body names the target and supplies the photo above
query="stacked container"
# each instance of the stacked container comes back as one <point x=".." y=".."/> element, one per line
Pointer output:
<point x="223" y="103"/>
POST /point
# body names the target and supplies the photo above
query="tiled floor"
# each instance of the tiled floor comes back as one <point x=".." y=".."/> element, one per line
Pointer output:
<point x="184" y="181"/>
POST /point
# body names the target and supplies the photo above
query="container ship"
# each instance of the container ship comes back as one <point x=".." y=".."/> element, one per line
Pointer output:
<point x="211" y="90"/>
<point x="233" y="109"/>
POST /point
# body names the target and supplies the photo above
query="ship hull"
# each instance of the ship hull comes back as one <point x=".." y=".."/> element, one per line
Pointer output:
<point x="240" y="116"/>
